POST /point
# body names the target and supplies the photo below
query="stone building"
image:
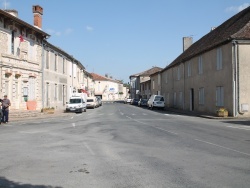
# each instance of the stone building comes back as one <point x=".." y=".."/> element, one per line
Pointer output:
<point x="213" y="72"/>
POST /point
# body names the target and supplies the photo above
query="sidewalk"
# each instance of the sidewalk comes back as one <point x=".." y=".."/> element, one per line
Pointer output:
<point x="17" y="115"/>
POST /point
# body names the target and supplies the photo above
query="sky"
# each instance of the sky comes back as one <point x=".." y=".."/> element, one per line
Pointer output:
<point x="124" y="37"/>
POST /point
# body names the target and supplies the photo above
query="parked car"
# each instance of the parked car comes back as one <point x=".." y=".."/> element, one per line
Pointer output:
<point x="156" y="101"/>
<point x="128" y="100"/>
<point x="134" y="101"/>
<point x="143" y="102"/>
<point x="91" y="102"/>
<point x="99" y="101"/>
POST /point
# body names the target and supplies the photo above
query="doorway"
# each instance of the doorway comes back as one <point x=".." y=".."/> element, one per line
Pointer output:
<point x="192" y="99"/>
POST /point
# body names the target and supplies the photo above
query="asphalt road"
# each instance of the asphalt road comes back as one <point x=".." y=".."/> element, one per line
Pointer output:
<point x="123" y="146"/>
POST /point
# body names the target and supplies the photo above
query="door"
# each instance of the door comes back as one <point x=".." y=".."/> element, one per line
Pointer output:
<point x="192" y="99"/>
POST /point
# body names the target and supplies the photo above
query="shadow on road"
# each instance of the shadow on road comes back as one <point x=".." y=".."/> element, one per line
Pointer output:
<point x="5" y="183"/>
<point x="239" y="122"/>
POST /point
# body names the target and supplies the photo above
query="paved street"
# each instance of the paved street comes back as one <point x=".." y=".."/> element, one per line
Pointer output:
<point x="120" y="145"/>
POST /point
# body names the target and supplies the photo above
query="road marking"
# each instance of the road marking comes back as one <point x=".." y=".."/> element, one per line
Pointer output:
<point x="144" y="114"/>
<point x="111" y="114"/>
<point x="223" y="147"/>
<point x="244" y="128"/>
<point x="32" y="132"/>
<point x="72" y="117"/>
<point x="167" y="114"/>
<point x="136" y="120"/>
<point x="165" y="130"/>
<point x="133" y="114"/>
<point x="73" y="125"/>
<point x="121" y="113"/>
<point x="88" y="148"/>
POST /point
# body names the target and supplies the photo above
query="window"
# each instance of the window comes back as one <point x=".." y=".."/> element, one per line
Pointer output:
<point x="159" y="79"/>
<point x="63" y="65"/>
<point x="219" y="96"/>
<point x="201" y="96"/>
<point x="55" y="62"/>
<point x="180" y="99"/>
<point x="200" y="64"/>
<point x="55" y="91"/>
<point x="219" y="59"/>
<point x="189" y="68"/>
<point x="153" y="84"/>
<point x="178" y="73"/>
<point x="47" y="59"/>
<point x="32" y="88"/>
<point x="174" y="98"/>
<point x="12" y="42"/>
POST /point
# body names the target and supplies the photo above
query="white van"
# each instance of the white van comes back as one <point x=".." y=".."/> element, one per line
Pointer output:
<point x="156" y="101"/>
<point x="76" y="104"/>
<point x="92" y="102"/>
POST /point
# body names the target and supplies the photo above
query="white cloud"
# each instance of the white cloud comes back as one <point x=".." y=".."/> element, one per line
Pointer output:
<point x="68" y="31"/>
<point x="89" y="28"/>
<point x="59" y="33"/>
<point x="237" y="8"/>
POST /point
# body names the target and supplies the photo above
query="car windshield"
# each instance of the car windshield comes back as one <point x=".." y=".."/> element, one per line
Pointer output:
<point x="73" y="101"/>
<point x="90" y="100"/>
<point x="159" y="98"/>
<point x="144" y="100"/>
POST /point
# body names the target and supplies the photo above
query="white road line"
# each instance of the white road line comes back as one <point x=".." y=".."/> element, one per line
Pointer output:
<point x="165" y="130"/>
<point x="223" y="147"/>
<point x="244" y="128"/>
<point x="167" y="114"/>
<point x="136" y="120"/>
<point x="144" y="114"/>
<point x="133" y="114"/>
<point x="72" y="117"/>
<point x="73" y="125"/>
<point x="111" y="114"/>
<point x="88" y="148"/>
<point x="121" y="113"/>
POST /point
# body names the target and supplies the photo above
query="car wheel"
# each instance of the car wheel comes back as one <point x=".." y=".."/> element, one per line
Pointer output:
<point x="85" y="110"/>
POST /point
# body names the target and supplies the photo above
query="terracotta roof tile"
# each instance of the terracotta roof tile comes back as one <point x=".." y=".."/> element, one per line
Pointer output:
<point x="148" y="72"/>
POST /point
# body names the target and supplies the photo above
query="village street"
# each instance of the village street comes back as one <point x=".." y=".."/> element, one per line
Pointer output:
<point x="121" y="145"/>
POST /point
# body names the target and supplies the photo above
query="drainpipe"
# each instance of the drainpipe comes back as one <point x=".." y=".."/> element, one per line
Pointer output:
<point x="43" y="46"/>
<point x="236" y="96"/>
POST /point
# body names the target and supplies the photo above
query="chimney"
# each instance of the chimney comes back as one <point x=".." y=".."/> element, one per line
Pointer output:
<point x="187" y="42"/>
<point x="37" y="12"/>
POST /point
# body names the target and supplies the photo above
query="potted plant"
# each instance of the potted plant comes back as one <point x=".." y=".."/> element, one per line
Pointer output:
<point x="48" y="110"/>
<point x="222" y="112"/>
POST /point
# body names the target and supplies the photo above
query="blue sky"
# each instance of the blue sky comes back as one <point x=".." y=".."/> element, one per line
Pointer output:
<point x="124" y="37"/>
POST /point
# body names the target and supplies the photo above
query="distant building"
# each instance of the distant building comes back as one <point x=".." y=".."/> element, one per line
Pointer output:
<point x="107" y="88"/>
<point x="138" y="83"/>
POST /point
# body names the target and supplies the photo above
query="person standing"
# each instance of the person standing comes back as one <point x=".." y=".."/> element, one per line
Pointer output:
<point x="5" y="109"/>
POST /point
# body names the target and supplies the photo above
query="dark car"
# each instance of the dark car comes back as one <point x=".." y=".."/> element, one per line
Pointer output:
<point x="134" y="101"/>
<point x="143" y="102"/>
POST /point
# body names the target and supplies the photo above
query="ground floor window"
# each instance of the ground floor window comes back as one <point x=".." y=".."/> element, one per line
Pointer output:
<point x="219" y="96"/>
<point x="201" y="96"/>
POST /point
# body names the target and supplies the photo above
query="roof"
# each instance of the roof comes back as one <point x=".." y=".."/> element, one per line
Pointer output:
<point x="5" y="14"/>
<point x="147" y="72"/>
<point x="102" y="78"/>
<point x="235" y="28"/>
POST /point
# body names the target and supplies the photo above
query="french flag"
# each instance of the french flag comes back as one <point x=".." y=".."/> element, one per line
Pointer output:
<point x="21" y="38"/>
